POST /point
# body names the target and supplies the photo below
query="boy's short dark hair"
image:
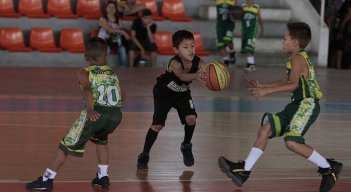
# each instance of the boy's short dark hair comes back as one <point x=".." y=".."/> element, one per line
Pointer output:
<point x="146" y="12"/>
<point x="300" y="31"/>
<point x="179" y="36"/>
<point x="95" y="48"/>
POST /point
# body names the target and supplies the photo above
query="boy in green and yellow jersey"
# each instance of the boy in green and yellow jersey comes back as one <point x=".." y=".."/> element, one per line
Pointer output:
<point x="296" y="118"/>
<point x="225" y="25"/>
<point x="103" y="95"/>
<point x="249" y="28"/>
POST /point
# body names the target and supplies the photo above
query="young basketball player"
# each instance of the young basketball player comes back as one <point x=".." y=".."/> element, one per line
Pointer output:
<point x="293" y="122"/>
<point x="103" y="95"/>
<point x="172" y="90"/>
<point x="225" y="25"/>
<point x="249" y="28"/>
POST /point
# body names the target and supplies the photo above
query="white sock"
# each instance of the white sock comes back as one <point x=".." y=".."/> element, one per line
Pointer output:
<point x="251" y="159"/>
<point x="49" y="174"/>
<point x="317" y="159"/>
<point x="250" y="59"/>
<point x="102" y="171"/>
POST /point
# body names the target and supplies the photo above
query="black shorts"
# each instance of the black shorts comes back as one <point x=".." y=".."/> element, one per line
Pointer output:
<point x="183" y="103"/>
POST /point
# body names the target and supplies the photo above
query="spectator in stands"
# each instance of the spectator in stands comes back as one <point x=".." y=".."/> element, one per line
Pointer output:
<point x="129" y="7"/>
<point x="225" y="25"/>
<point x="249" y="27"/>
<point x="111" y="30"/>
<point x="343" y="39"/>
<point x="143" y="38"/>
<point x="333" y="14"/>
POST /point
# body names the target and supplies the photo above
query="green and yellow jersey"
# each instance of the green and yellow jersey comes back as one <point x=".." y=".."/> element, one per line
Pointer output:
<point x="223" y="7"/>
<point x="308" y="86"/>
<point x="250" y="18"/>
<point x="105" y="86"/>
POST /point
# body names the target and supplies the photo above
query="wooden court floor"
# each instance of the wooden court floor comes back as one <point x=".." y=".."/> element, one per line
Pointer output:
<point x="38" y="106"/>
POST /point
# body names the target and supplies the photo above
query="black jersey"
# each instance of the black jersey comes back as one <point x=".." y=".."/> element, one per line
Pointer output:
<point x="168" y="83"/>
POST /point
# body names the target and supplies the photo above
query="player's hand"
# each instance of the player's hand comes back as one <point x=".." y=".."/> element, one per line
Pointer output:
<point x="201" y="75"/>
<point x="256" y="93"/>
<point x="92" y="115"/>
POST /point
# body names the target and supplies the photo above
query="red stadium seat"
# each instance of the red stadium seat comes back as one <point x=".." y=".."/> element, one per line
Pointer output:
<point x="7" y="9"/>
<point x="89" y="9"/>
<point x="164" y="42"/>
<point x="11" y="38"/>
<point x="94" y="32"/>
<point x="42" y="39"/>
<point x="174" y="10"/>
<point x="152" y="5"/>
<point x="200" y="50"/>
<point x="72" y="40"/>
<point x="60" y="9"/>
<point x="32" y="8"/>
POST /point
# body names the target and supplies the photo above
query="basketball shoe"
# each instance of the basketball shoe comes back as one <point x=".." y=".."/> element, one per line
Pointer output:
<point x="188" y="157"/>
<point x="103" y="182"/>
<point x="234" y="170"/>
<point x="143" y="160"/>
<point x="329" y="175"/>
<point x="250" y="67"/>
<point x="40" y="185"/>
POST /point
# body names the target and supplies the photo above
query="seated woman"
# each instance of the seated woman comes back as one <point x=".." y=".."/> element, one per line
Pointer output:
<point x="111" y="30"/>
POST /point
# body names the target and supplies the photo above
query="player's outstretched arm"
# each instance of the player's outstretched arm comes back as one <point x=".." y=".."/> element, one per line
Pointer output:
<point x="297" y="70"/>
<point x="201" y="72"/>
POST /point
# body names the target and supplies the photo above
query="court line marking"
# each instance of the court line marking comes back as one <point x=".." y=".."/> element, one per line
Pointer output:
<point x="132" y="180"/>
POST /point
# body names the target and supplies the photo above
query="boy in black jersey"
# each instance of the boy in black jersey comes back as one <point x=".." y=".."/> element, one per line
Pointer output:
<point x="172" y="90"/>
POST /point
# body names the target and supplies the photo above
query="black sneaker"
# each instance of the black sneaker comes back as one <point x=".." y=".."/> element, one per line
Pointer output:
<point x="188" y="157"/>
<point x="234" y="170"/>
<point x="143" y="160"/>
<point x="40" y="185"/>
<point x="329" y="175"/>
<point x="103" y="182"/>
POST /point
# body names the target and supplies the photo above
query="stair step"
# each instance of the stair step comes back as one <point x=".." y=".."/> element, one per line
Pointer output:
<point x="263" y="45"/>
<point x="209" y="12"/>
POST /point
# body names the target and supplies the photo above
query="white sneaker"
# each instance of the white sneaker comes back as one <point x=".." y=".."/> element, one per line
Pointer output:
<point x="251" y="68"/>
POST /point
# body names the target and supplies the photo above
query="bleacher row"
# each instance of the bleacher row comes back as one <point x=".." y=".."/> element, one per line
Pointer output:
<point x="72" y="40"/>
<point x="90" y="9"/>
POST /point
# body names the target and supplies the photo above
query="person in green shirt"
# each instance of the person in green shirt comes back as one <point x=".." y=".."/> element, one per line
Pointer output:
<point x="103" y="95"/>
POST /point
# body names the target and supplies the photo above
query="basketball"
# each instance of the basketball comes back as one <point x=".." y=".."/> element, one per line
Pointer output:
<point x="237" y="12"/>
<point x="217" y="76"/>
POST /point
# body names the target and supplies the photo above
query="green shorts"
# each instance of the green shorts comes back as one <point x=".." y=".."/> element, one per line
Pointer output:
<point x="294" y="121"/>
<point x="248" y="40"/>
<point x="225" y="30"/>
<point x="95" y="131"/>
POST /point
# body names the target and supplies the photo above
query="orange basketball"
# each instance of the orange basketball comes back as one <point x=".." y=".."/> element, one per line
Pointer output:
<point x="217" y="76"/>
